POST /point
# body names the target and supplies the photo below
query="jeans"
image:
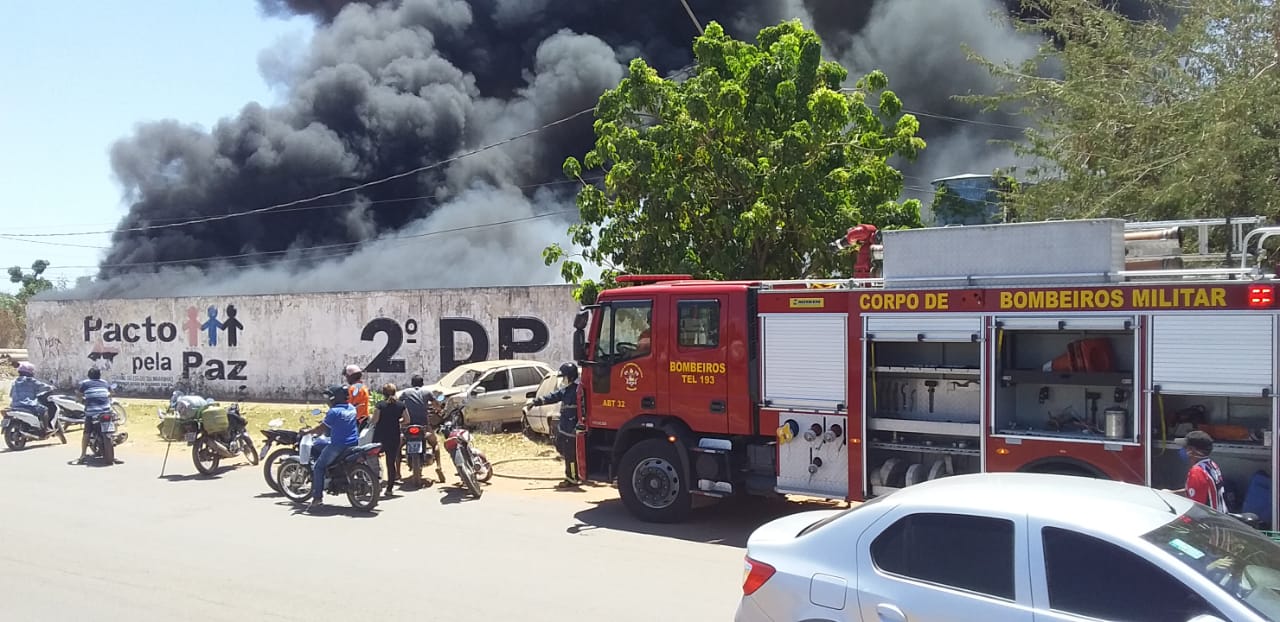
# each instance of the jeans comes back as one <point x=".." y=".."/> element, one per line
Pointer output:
<point x="329" y="452"/>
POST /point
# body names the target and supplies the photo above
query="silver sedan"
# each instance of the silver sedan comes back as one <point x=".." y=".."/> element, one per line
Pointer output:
<point x="1013" y="547"/>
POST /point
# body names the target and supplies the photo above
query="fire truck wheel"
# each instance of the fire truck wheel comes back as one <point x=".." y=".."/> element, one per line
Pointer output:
<point x="651" y="484"/>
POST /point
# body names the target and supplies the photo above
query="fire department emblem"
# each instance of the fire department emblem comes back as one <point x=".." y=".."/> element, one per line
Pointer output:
<point x="631" y="374"/>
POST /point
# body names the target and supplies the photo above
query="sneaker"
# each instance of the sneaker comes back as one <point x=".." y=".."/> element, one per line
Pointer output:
<point x="311" y="506"/>
<point x="567" y="484"/>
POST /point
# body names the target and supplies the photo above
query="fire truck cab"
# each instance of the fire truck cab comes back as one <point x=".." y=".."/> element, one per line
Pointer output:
<point x="1060" y="347"/>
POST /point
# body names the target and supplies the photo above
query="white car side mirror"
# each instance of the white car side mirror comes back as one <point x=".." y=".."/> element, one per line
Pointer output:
<point x="478" y="391"/>
<point x="1206" y="618"/>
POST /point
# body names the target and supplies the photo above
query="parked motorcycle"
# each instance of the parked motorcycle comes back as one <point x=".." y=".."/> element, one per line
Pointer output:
<point x="20" y="425"/>
<point x="287" y="440"/>
<point x="356" y="472"/>
<point x="473" y="466"/>
<point x="216" y="434"/>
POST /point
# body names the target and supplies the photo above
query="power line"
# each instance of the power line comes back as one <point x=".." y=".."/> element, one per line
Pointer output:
<point x="694" y="18"/>
<point x="20" y="239"/>
<point x="345" y="246"/>
<point x="961" y="120"/>
<point x="415" y="171"/>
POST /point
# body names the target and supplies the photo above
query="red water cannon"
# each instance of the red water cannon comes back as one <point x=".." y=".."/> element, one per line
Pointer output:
<point x="860" y="237"/>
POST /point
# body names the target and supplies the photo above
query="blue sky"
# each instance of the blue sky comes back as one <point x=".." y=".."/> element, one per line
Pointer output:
<point x="79" y="75"/>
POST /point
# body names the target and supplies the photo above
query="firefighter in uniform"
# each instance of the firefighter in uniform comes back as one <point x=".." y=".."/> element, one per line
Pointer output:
<point x="566" y="433"/>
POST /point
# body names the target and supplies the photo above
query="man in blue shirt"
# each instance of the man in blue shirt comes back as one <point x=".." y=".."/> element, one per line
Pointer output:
<point x="97" y="400"/>
<point x="340" y="423"/>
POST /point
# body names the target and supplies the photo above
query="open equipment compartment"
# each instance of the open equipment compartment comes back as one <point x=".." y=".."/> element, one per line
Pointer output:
<point x="1066" y="377"/>
<point x="1216" y="377"/>
<point x="923" y="398"/>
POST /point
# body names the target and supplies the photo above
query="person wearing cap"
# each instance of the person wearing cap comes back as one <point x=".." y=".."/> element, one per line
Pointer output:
<point x="1204" y="479"/>
<point x="566" y="434"/>
<point x="357" y="393"/>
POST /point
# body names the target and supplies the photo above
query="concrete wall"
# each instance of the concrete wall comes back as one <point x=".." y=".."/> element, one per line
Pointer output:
<point x="287" y="346"/>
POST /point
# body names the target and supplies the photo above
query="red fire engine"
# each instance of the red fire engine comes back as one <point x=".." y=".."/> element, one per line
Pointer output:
<point x="1009" y="347"/>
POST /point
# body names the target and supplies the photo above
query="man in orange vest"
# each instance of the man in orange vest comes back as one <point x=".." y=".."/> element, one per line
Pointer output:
<point x="357" y="393"/>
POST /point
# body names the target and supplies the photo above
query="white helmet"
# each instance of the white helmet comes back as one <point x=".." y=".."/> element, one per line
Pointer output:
<point x="351" y="369"/>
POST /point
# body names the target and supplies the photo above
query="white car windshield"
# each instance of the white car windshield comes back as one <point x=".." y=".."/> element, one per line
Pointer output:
<point x="460" y="377"/>
<point x="1239" y="559"/>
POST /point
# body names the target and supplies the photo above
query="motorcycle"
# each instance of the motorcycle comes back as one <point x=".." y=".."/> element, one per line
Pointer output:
<point x="216" y="434"/>
<point x="419" y="453"/>
<point x="20" y="425"/>
<point x="473" y="466"/>
<point x="104" y="434"/>
<point x="355" y="472"/>
<point x="69" y="411"/>
<point x="287" y="440"/>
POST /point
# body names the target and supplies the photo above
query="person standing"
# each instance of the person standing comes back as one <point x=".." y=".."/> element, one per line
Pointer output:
<point x="386" y="422"/>
<point x="566" y="432"/>
<point x="1204" y="478"/>
<point x="357" y="393"/>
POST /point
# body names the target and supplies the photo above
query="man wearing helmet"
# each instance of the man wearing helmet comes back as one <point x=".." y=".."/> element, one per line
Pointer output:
<point x="566" y="434"/>
<point x="340" y="423"/>
<point x="357" y="393"/>
<point x="22" y="395"/>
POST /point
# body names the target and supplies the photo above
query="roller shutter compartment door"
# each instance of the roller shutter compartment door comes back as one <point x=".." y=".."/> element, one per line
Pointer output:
<point x="805" y="359"/>
<point x="1213" y="354"/>
<point x="924" y="328"/>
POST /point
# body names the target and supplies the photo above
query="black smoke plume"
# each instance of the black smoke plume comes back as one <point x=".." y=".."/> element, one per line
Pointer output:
<point x="388" y="86"/>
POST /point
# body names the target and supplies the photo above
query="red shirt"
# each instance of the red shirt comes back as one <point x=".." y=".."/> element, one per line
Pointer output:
<point x="1201" y="486"/>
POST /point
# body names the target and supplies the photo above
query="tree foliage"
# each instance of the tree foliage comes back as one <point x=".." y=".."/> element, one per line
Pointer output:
<point x="32" y="282"/>
<point x="1169" y="117"/>
<point x="749" y="169"/>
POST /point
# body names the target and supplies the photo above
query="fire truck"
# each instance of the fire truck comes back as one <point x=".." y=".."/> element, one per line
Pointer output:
<point x="1082" y="347"/>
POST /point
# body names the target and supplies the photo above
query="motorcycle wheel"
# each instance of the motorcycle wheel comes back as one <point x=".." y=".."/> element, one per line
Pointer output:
<point x="199" y="450"/>
<point x="250" y="452"/>
<point x="362" y="487"/>
<point x="108" y="448"/>
<point x="14" y="438"/>
<point x="484" y="470"/>
<point x="121" y="414"/>
<point x="415" y="466"/>
<point x="465" y="474"/>
<point x="271" y="466"/>
<point x="295" y="480"/>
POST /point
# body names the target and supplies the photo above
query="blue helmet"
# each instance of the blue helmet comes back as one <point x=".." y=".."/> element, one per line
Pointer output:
<point x="569" y="371"/>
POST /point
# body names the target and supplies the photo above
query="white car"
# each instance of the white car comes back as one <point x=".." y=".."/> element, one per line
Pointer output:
<point x="492" y="392"/>
<point x="1021" y="547"/>
<point x="544" y="419"/>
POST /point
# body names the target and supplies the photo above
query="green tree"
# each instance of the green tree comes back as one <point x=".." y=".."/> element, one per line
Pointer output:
<point x="748" y="169"/>
<point x="32" y="282"/>
<point x="1149" y="119"/>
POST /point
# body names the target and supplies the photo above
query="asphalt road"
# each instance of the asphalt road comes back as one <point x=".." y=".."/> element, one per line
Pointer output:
<point x="120" y="543"/>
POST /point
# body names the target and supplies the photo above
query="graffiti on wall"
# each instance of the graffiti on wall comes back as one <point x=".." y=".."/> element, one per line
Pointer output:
<point x="516" y="335"/>
<point x="192" y="362"/>
<point x="284" y="346"/>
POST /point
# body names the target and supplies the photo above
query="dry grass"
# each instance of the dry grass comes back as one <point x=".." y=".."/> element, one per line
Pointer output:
<point x="513" y="455"/>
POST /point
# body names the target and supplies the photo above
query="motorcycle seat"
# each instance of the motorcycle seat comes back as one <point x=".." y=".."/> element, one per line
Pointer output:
<point x="357" y="450"/>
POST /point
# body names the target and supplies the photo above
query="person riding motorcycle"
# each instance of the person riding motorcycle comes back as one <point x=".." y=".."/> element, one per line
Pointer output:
<point x="424" y="408"/>
<point x="357" y="393"/>
<point x="340" y="423"/>
<point x="96" y="393"/>
<point x="22" y="395"/>
<point x="566" y="434"/>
